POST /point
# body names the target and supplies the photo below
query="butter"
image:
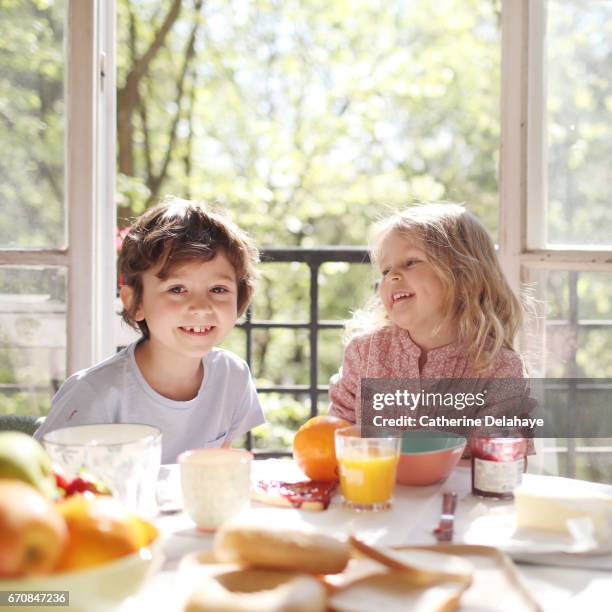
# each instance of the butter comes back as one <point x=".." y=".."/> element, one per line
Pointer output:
<point x="549" y="503"/>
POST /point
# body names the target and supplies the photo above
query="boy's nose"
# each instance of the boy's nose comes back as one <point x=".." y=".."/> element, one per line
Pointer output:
<point x="200" y="305"/>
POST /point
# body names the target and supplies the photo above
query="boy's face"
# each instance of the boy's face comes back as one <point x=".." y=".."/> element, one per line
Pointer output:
<point x="193" y="309"/>
<point x="410" y="290"/>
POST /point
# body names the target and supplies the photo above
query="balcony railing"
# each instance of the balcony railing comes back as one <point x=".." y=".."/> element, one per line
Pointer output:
<point x="314" y="259"/>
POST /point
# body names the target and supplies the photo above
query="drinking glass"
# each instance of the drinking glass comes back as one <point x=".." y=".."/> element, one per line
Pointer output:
<point x="367" y="469"/>
<point x="124" y="456"/>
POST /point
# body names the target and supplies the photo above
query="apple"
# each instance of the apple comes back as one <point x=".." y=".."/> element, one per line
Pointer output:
<point x="33" y="533"/>
<point x="24" y="458"/>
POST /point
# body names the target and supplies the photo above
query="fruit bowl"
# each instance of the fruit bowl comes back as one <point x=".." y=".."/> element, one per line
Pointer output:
<point x="97" y="589"/>
<point x="427" y="457"/>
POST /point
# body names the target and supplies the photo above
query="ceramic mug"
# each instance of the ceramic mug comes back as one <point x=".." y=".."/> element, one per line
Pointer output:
<point x="216" y="484"/>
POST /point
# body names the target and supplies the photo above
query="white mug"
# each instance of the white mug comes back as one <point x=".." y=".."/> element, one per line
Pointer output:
<point x="216" y="484"/>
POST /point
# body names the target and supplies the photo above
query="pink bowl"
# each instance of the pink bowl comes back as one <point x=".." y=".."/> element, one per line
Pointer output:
<point x="428" y="457"/>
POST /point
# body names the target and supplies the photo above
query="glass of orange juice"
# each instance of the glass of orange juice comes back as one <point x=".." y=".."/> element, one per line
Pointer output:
<point x="367" y="468"/>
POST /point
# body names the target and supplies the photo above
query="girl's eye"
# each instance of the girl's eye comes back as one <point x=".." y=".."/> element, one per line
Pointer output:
<point x="219" y="290"/>
<point x="384" y="272"/>
<point x="411" y="262"/>
<point x="177" y="290"/>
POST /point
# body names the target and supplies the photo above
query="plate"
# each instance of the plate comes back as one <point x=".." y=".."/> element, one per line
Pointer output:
<point x="500" y="530"/>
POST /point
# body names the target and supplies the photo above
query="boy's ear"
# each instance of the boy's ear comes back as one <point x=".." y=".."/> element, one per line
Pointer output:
<point x="126" y="293"/>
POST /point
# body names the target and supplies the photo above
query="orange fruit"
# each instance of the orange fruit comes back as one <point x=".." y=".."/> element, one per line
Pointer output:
<point x="100" y="529"/>
<point x="313" y="447"/>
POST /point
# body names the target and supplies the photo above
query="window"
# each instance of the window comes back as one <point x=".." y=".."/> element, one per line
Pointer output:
<point x="556" y="213"/>
<point x="56" y="242"/>
<point x="305" y="120"/>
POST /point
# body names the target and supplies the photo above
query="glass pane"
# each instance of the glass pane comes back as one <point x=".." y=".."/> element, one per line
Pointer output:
<point x="32" y="337"/>
<point x="574" y="341"/>
<point x="332" y="111"/>
<point x="579" y="42"/>
<point x="32" y="124"/>
<point x="578" y="327"/>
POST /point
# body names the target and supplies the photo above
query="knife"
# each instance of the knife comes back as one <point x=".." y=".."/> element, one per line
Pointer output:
<point x="444" y="530"/>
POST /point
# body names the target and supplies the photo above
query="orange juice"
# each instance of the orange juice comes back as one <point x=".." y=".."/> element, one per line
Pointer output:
<point x="367" y="479"/>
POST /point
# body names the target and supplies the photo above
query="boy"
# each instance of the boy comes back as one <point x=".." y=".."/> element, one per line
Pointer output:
<point x="187" y="275"/>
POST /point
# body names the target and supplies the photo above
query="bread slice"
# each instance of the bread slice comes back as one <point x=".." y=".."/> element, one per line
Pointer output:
<point x="391" y="592"/>
<point x="280" y="547"/>
<point x="314" y="495"/>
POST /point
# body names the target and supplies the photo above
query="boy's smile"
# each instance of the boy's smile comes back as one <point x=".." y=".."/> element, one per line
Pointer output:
<point x="196" y="331"/>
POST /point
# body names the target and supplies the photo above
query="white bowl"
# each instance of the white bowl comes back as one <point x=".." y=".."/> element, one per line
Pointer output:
<point x="97" y="589"/>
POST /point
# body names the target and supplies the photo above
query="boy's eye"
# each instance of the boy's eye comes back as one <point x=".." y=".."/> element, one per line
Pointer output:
<point x="177" y="290"/>
<point x="384" y="272"/>
<point x="220" y="290"/>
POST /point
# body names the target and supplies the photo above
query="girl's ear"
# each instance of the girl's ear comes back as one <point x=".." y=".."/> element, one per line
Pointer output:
<point x="126" y="293"/>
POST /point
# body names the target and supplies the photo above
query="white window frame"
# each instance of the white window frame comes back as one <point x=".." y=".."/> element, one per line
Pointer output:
<point x="523" y="167"/>
<point x="523" y="172"/>
<point x="89" y="185"/>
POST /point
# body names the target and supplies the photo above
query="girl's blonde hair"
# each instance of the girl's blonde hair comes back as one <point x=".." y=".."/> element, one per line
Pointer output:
<point x="477" y="296"/>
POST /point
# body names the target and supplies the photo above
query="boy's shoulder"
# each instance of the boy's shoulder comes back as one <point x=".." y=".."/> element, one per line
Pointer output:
<point x="224" y="359"/>
<point x="104" y="371"/>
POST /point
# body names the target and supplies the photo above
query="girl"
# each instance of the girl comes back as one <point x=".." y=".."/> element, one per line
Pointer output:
<point x="443" y="309"/>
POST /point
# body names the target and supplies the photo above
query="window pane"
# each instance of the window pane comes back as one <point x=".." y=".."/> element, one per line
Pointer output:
<point x="576" y="343"/>
<point x="331" y="111"/>
<point x="32" y="124"/>
<point x="32" y="337"/>
<point x="578" y="327"/>
<point x="579" y="108"/>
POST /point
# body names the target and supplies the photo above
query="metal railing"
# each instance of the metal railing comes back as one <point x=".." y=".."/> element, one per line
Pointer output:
<point x="314" y="258"/>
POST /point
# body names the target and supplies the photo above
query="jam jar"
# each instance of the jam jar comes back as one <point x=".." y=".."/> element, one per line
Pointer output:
<point x="498" y="464"/>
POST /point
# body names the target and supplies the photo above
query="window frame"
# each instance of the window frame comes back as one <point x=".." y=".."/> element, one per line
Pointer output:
<point x="523" y="169"/>
<point x="89" y="185"/>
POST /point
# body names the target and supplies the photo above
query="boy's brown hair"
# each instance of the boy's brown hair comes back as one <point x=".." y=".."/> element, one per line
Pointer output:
<point x="176" y="231"/>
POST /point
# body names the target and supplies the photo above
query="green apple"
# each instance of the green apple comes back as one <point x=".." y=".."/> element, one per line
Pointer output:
<point x="23" y="458"/>
<point x="34" y="533"/>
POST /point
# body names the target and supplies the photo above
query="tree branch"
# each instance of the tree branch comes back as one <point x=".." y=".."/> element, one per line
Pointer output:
<point x="156" y="181"/>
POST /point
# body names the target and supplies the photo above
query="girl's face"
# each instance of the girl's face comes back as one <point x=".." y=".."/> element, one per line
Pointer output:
<point x="410" y="290"/>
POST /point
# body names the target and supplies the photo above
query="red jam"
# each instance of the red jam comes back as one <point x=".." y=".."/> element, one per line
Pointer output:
<point x="297" y="493"/>
<point x="498" y="464"/>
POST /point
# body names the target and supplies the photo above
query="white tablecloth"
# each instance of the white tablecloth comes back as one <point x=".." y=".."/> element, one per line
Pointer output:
<point x="414" y="513"/>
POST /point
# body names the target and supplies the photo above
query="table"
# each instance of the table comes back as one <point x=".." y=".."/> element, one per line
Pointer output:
<point x="410" y="521"/>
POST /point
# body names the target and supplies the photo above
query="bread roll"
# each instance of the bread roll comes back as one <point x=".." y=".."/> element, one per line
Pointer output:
<point x="280" y="548"/>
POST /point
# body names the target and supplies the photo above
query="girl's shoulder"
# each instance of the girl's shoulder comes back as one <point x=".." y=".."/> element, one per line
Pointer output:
<point x="507" y="363"/>
<point x="380" y="335"/>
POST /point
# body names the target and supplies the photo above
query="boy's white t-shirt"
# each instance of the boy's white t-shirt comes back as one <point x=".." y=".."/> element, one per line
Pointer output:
<point x="115" y="391"/>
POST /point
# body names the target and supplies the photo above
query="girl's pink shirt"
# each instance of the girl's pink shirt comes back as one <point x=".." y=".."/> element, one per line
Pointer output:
<point x="389" y="352"/>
